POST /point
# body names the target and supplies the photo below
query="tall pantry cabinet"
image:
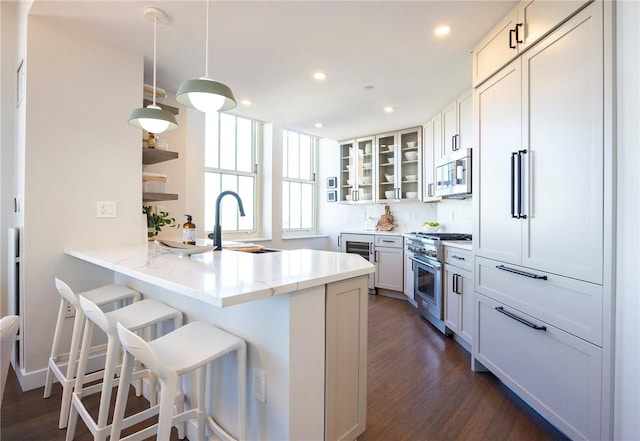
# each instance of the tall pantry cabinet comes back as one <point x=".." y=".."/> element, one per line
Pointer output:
<point x="542" y="185"/>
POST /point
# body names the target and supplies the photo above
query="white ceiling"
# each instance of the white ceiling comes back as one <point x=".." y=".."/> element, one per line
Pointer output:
<point x="266" y="51"/>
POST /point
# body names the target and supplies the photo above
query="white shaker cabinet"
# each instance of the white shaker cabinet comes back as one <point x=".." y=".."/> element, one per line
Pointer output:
<point x="389" y="262"/>
<point x="432" y="153"/>
<point x="458" y="291"/>
<point x="543" y="299"/>
<point x="457" y="125"/>
<point x="524" y="25"/>
<point x="399" y="159"/>
<point x="346" y="359"/>
<point x="357" y="178"/>
<point x="541" y="191"/>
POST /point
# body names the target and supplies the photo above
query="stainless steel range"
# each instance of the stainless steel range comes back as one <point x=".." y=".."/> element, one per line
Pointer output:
<point x="427" y="253"/>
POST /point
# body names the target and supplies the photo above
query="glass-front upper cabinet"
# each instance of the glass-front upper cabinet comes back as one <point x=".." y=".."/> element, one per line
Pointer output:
<point x="357" y="171"/>
<point x="398" y="158"/>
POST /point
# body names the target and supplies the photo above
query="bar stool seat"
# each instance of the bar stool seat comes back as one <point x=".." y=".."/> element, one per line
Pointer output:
<point x="189" y="348"/>
<point x="117" y="295"/>
<point x="144" y="314"/>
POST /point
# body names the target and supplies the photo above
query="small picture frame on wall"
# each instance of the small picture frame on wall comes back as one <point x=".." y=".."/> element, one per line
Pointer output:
<point x="332" y="196"/>
<point x="332" y="182"/>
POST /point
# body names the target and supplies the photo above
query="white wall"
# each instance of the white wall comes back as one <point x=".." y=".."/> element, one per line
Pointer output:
<point x="627" y="350"/>
<point x="78" y="149"/>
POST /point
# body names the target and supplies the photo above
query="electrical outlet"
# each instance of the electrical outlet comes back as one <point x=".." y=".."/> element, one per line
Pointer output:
<point x="106" y="209"/>
<point x="69" y="310"/>
<point x="259" y="385"/>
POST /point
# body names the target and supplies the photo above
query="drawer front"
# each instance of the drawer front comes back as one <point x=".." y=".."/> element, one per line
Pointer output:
<point x="571" y="305"/>
<point x="458" y="257"/>
<point x="556" y="373"/>
<point x="389" y="241"/>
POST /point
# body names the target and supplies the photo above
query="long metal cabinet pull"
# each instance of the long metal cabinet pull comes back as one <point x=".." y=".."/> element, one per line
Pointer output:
<point x="521" y="273"/>
<point x="340" y="241"/>
<point x="513" y="184"/>
<point x="501" y="310"/>
<point x="430" y="190"/>
<point x="520" y="182"/>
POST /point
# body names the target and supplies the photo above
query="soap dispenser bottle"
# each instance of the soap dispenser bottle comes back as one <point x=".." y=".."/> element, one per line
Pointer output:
<point x="189" y="231"/>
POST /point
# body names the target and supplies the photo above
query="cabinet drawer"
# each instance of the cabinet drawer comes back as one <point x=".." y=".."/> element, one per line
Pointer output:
<point x="458" y="257"/>
<point x="556" y="373"/>
<point x="389" y="241"/>
<point x="571" y="305"/>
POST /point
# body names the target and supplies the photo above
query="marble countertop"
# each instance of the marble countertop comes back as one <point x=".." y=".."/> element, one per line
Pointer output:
<point x="226" y="278"/>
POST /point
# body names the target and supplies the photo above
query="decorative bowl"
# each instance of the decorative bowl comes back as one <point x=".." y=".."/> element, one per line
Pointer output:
<point x="411" y="144"/>
<point x="390" y="194"/>
<point x="412" y="194"/>
<point x="366" y="180"/>
<point x="411" y="177"/>
<point x="389" y="178"/>
<point x="430" y="229"/>
<point x="390" y="160"/>
<point x="411" y="156"/>
<point x="367" y="149"/>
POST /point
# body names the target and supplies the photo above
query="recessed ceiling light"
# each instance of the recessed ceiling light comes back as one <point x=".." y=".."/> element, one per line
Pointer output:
<point x="320" y="76"/>
<point x="245" y="102"/>
<point x="443" y="30"/>
<point x="318" y="125"/>
<point x="388" y="109"/>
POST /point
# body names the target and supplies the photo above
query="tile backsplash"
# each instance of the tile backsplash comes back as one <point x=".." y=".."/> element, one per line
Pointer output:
<point x="454" y="216"/>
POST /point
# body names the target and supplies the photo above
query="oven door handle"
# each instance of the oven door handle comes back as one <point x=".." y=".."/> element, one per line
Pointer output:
<point x="435" y="266"/>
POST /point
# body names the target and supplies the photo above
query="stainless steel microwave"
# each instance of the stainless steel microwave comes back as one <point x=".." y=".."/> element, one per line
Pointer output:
<point x="453" y="175"/>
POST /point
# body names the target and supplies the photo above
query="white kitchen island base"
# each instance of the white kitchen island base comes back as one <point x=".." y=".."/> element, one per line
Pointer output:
<point x="305" y="328"/>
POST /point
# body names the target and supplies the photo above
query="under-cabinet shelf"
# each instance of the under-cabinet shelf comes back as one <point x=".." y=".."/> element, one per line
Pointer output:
<point x="153" y="156"/>
<point x="149" y="197"/>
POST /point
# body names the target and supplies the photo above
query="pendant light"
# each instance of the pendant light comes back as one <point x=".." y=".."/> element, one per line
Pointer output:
<point x="152" y="118"/>
<point x="205" y="94"/>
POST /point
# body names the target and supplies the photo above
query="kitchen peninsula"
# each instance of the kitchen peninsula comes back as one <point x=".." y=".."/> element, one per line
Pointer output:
<point x="303" y="314"/>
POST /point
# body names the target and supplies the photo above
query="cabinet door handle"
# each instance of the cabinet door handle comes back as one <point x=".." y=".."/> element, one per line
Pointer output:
<point x="521" y="273"/>
<point x="455" y="284"/>
<point x="512" y="33"/>
<point x="518" y="37"/>
<point x="388" y="241"/>
<point x="501" y="310"/>
<point x="513" y="184"/>
<point x="340" y="241"/>
<point x="521" y="153"/>
<point x="458" y="257"/>
<point x="375" y="257"/>
<point x="430" y="190"/>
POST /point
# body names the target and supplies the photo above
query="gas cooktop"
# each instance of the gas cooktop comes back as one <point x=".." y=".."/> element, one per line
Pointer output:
<point x="441" y="236"/>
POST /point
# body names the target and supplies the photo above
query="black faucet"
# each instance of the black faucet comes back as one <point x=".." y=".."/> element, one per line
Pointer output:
<point x="216" y="236"/>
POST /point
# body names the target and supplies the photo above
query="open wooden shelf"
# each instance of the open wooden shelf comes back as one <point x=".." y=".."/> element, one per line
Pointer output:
<point x="150" y="197"/>
<point x="153" y="155"/>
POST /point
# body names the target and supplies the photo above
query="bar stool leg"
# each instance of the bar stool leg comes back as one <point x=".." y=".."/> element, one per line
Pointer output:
<point x="67" y="388"/>
<point x="168" y="390"/>
<point x="54" y="349"/>
<point x="201" y="379"/>
<point x="107" y="381"/>
<point x="82" y="367"/>
<point x="121" y="397"/>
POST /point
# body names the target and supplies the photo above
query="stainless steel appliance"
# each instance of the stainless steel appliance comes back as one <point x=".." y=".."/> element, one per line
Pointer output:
<point x="361" y="244"/>
<point x="453" y="175"/>
<point x="428" y="258"/>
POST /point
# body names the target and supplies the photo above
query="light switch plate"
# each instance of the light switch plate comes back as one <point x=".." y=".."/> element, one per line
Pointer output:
<point x="106" y="209"/>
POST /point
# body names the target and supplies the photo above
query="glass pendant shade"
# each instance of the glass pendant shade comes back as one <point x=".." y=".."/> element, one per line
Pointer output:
<point x="206" y="95"/>
<point x="153" y="119"/>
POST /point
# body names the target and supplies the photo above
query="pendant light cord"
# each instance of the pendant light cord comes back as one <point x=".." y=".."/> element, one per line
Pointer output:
<point x="155" y="23"/>
<point x="206" y="45"/>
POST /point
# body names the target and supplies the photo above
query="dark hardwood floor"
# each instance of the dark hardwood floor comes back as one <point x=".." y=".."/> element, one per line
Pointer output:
<point x="420" y="387"/>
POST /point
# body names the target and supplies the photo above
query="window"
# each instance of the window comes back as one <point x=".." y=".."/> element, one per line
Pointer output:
<point x="298" y="182"/>
<point x="230" y="164"/>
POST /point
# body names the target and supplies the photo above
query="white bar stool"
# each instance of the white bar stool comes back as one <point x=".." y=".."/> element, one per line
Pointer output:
<point x="189" y="348"/>
<point x="136" y="317"/>
<point x="105" y="295"/>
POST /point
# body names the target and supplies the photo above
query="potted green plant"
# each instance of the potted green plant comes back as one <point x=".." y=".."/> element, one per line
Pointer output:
<point x="155" y="221"/>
